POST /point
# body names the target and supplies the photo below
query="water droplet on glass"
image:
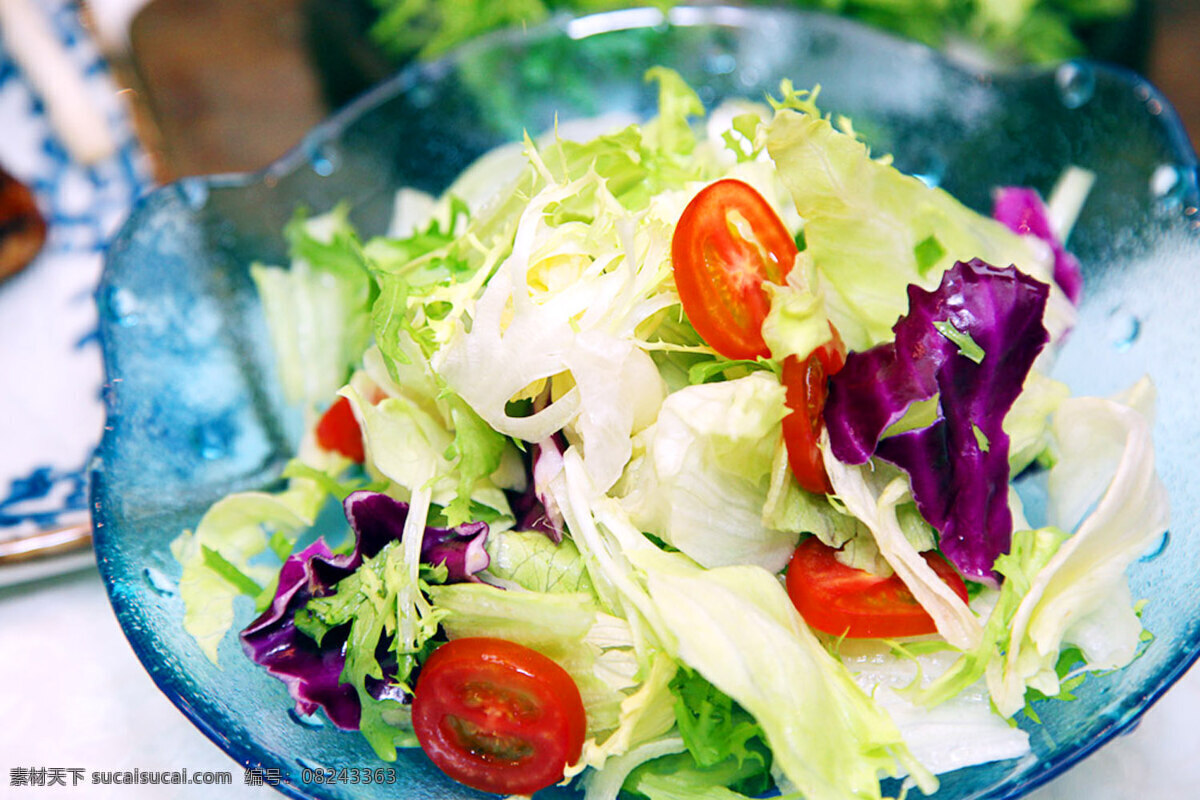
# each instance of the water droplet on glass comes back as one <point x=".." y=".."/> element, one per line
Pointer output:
<point x="720" y="64"/>
<point x="749" y="76"/>
<point x="159" y="583"/>
<point x="123" y="305"/>
<point x="1167" y="184"/>
<point x="324" y="161"/>
<point x="1076" y="83"/>
<point x="306" y="720"/>
<point x="213" y="439"/>
<point x="194" y="192"/>
<point x="1123" y="329"/>
<point x="1133" y="726"/>
<point x="1159" y="548"/>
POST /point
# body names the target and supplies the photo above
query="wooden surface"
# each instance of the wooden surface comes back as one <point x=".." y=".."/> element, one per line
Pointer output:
<point x="1174" y="63"/>
<point x="228" y="85"/>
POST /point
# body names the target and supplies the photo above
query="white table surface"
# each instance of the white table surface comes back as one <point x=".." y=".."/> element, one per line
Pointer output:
<point x="72" y="694"/>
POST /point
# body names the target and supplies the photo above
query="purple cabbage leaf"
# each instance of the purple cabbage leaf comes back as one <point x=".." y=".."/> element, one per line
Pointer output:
<point x="317" y="635"/>
<point x="1022" y="211"/>
<point x="968" y="346"/>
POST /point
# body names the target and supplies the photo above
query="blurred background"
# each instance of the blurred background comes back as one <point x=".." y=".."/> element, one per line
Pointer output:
<point x="224" y="85"/>
<point x="102" y="100"/>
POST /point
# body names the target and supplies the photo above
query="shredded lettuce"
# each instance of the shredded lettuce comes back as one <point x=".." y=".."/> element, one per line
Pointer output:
<point x="1028" y="420"/>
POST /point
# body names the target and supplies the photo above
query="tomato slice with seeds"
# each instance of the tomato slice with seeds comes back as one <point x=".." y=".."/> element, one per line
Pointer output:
<point x="807" y="386"/>
<point x="728" y="241"/>
<point x="498" y="716"/>
<point x="338" y="431"/>
<point x="844" y="601"/>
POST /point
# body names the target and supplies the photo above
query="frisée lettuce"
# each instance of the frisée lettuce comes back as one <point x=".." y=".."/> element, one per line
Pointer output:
<point x="553" y="456"/>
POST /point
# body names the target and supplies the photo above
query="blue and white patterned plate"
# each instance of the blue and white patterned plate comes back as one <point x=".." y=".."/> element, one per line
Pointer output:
<point x="51" y="413"/>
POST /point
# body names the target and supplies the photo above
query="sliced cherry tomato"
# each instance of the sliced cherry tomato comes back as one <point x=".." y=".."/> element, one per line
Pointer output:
<point x="844" y="601"/>
<point x="497" y="716"/>
<point x="727" y="243"/>
<point x="807" y="386"/>
<point x="338" y="431"/>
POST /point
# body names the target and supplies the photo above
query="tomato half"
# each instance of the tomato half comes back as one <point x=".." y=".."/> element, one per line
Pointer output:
<point x="338" y="430"/>
<point x="497" y="716"/>
<point x="727" y="243"/>
<point x="807" y="386"/>
<point x="841" y="600"/>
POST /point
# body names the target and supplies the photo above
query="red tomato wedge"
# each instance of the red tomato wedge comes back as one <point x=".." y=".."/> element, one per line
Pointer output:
<point x="807" y="386"/>
<point x="844" y="601"/>
<point x="338" y="430"/>
<point x="726" y="244"/>
<point x="497" y="716"/>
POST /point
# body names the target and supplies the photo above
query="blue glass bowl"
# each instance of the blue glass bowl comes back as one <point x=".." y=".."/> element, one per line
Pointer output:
<point x="194" y="411"/>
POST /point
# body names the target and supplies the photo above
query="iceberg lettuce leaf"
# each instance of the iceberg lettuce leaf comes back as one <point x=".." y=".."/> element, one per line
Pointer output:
<point x="1064" y="589"/>
<point x="864" y="220"/>
<point x="737" y="628"/>
<point x="230" y="535"/>
<point x="531" y="560"/>
<point x="1085" y="578"/>
<point x="703" y="477"/>
<point x="318" y="311"/>
<point x="960" y="732"/>
<point x="874" y="502"/>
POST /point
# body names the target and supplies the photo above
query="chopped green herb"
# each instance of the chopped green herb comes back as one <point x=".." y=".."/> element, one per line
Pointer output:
<point x="707" y="371"/>
<point x="981" y="438"/>
<point x="967" y="348"/>
<point x="238" y="579"/>
<point x="928" y="252"/>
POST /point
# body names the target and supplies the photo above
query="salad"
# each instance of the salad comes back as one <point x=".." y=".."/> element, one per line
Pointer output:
<point x="678" y="459"/>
